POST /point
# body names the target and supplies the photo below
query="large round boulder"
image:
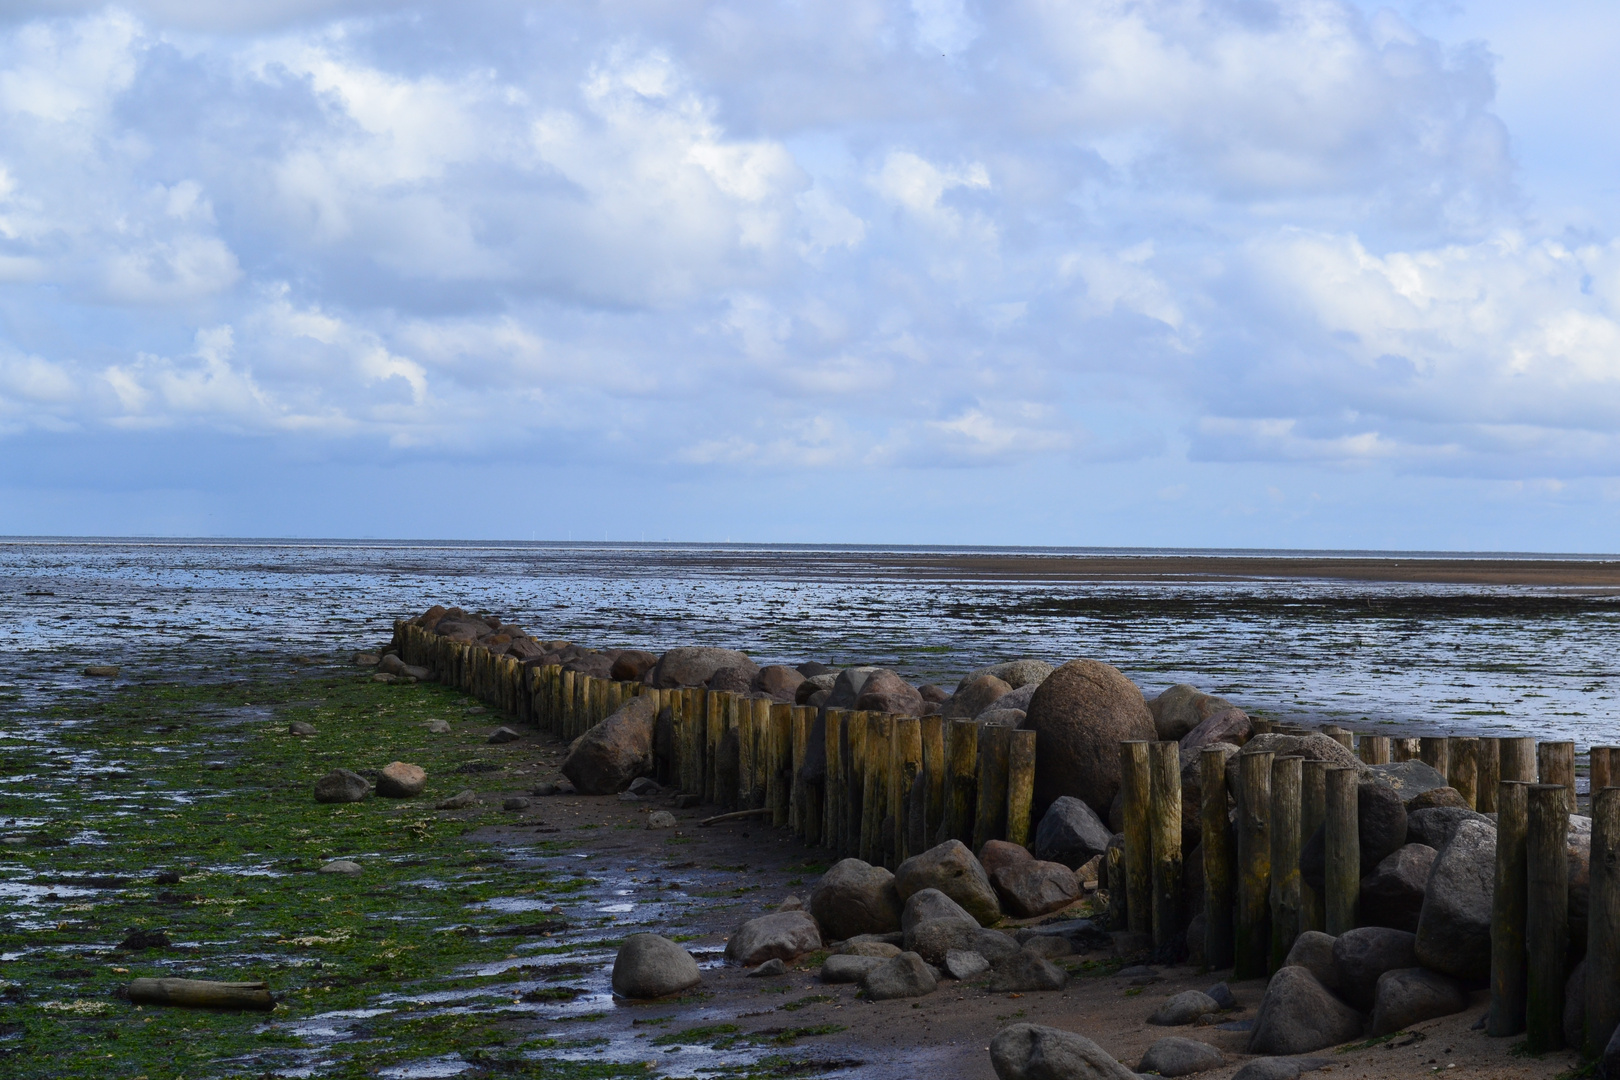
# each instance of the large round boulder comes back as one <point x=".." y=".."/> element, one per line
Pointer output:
<point x="1298" y="1015"/>
<point x="886" y="692"/>
<point x="1454" y="926"/>
<point x="606" y="758"/>
<point x="401" y="780"/>
<point x="854" y="897"/>
<point x="781" y="935"/>
<point x="1037" y="1052"/>
<point x="695" y="665"/>
<point x="1182" y="708"/>
<point x="649" y="966"/>
<point x="975" y="697"/>
<point x="1080" y="715"/>
<point x="1408" y="996"/>
<point x="1392" y="895"/>
<point x="779" y="681"/>
<point x="951" y="868"/>
<point x="341" y="786"/>
<point x="1363" y="955"/>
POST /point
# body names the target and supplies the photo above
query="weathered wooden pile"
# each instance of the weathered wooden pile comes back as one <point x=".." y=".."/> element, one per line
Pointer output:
<point x="890" y="786"/>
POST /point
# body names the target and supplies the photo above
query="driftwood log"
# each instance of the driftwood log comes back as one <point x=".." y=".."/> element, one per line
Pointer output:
<point x="202" y="994"/>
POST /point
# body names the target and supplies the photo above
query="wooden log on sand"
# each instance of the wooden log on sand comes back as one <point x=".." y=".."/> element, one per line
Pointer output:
<point x="202" y="994"/>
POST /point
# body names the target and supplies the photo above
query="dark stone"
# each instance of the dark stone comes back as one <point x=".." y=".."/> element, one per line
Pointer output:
<point x="811" y="668"/>
<point x="902" y="976"/>
<point x="630" y="665"/>
<point x="1313" y="951"/>
<point x="854" y="898"/>
<point x="606" y="758"/>
<point x="341" y="786"/>
<point x="1409" y="778"/>
<point x="730" y="680"/>
<point x="951" y="868"/>
<point x="1183" y="707"/>
<point x="1436" y="797"/>
<point x="694" y="665"/>
<point x="1392" y="895"/>
<point x="974" y="697"/>
<point x="1454" y="926"/>
<point x="1363" y="955"/>
<point x="1175" y="1056"/>
<point x="1070" y="833"/>
<point x="782" y="935"/>
<point x="1022" y="972"/>
<point x="1298" y="1015"/>
<point x="1407" y="996"/>
<point x="145" y="939"/>
<point x="1037" y="1052"/>
<point x="886" y="692"/>
<point x="649" y="966"/>
<point x="781" y="683"/>
<point x="1437" y="825"/>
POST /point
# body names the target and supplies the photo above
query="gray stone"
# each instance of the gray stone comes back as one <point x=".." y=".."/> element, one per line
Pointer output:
<point x="1312" y="746"/>
<point x="1048" y="947"/>
<point x="901" y="976"/>
<point x="644" y="786"/>
<point x="1363" y="955"/>
<point x="854" y="897"/>
<point x="1313" y="950"/>
<point x="436" y="727"/>
<point x="102" y="671"/>
<point x="341" y="786"/>
<point x="1175" y="1056"/>
<point x="1028" y="887"/>
<point x="1410" y="778"/>
<point x="1070" y="833"/>
<point x="1081" y="713"/>
<point x="1392" y="895"/>
<point x="606" y="758"/>
<point x="517" y="802"/>
<point x="461" y="800"/>
<point x="340" y="866"/>
<point x="1023" y="972"/>
<point x="963" y="964"/>
<point x="1230" y="726"/>
<point x="842" y="968"/>
<point x="784" y="935"/>
<point x="1436" y="826"/>
<point x="886" y="692"/>
<point x="298" y="727"/>
<point x="934" y="939"/>
<point x="401" y="780"/>
<point x="1180" y="709"/>
<point x="1440" y="796"/>
<point x="1014" y="699"/>
<point x="1083" y="935"/>
<point x="1038" y="1052"/>
<point x="847" y="686"/>
<point x="1406" y="996"/>
<point x="973" y="697"/>
<point x="951" y="868"/>
<point x="1280" y="1068"/>
<point x="661" y="819"/>
<point x="767" y="969"/>
<point x="1298" y="1015"/>
<point x="1454" y="927"/>
<point x="695" y="665"/>
<point x="1221" y="994"/>
<point x="1184" y="1008"/>
<point x="999" y="717"/>
<point x="503" y="735"/>
<point x="649" y="966"/>
<point x="931" y="905"/>
<point x="866" y="945"/>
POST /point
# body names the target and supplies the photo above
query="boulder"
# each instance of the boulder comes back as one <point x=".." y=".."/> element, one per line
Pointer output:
<point x="1180" y="709"/>
<point x="902" y="976"/>
<point x="606" y="758"/>
<point x="1070" y="833"/>
<point x="1012" y="699"/>
<point x="843" y="968"/>
<point x="935" y="939"/>
<point x="1080" y="715"/>
<point x="1437" y="825"/>
<point x="1175" y="1056"/>
<point x="1313" y="951"/>
<point x="503" y="735"/>
<point x="782" y="935"/>
<point x="1184" y="1008"/>
<point x="933" y="695"/>
<point x="854" y="897"/>
<point x="973" y="698"/>
<point x="649" y="966"/>
<point x="1023" y="972"/>
<point x="1015" y="673"/>
<point x="1224" y="726"/>
<point x="1574" y="1007"/>
<point x="1027" y="886"/>
<point x="341" y="786"/>
<point x="1048" y="946"/>
<point x="1312" y="746"/>
<point x="1298" y="1015"/>
<point x="963" y="964"/>
<point x="1454" y="925"/>
<point x="951" y="868"/>
<point x="730" y="680"/>
<point x="1083" y="935"/>
<point x="1409" y="778"/>
<point x="928" y="905"/>
<point x="768" y="969"/>
<point x="868" y="945"/>
<point x="1407" y="996"/>
<point x="1436" y="797"/>
<point x="1280" y="1068"/>
<point x="999" y="717"/>
<point x="661" y="819"/>
<point x="399" y="780"/>
<point x="298" y="727"/>
<point x="886" y="692"/>
<point x="1037" y="1052"/>
<point x="847" y="686"/>
<point x="812" y="685"/>
<point x="811" y="668"/>
<point x="340" y="866"/>
<point x="1392" y="895"/>
<point x="630" y="665"/>
<point x="780" y="682"/>
<point x="1363" y="955"/>
<point x="436" y="727"/>
<point x="694" y="665"/>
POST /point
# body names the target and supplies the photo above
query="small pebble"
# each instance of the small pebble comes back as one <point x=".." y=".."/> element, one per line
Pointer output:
<point x="544" y="789"/>
<point x="515" y="803"/>
<point x="459" y="801"/>
<point x="382" y="677"/>
<point x="629" y="796"/>
<point x="298" y="727"/>
<point x="477" y="710"/>
<point x="660" y="819"/>
<point x="340" y="866"/>
<point x="366" y="659"/>
<point x="768" y="968"/>
<point x="437" y="727"/>
<point x="503" y="735"/>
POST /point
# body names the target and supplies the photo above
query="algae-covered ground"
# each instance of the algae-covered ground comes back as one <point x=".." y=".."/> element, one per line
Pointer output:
<point x="472" y="943"/>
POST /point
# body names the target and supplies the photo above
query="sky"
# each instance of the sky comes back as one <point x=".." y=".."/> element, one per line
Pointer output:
<point x="1196" y="273"/>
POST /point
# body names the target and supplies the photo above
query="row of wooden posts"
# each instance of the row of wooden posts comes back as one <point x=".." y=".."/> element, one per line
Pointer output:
<point x="886" y="786"/>
<point x="1256" y="905"/>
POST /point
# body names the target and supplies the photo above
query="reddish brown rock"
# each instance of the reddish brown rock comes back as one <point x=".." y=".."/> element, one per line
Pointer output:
<point x="606" y="758"/>
<point x="1080" y="715"/>
<point x="629" y="665"/>
<point x="889" y="693"/>
<point x="401" y="781"/>
<point x="780" y="682"/>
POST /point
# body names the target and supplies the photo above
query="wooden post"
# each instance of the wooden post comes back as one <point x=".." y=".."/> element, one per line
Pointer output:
<point x="1603" y="921"/>
<point x="1434" y="751"/>
<point x="1518" y="759"/>
<point x="779" y="776"/>
<point x="759" y="779"/>
<point x="1218" y="859"/>
<point x="1136" y="784"/>
<point x="1597" y="771"/>
<point x="1463" y="769"/>
<point x="1164" y="826"/>
<point x="1312" y="813"/>
<point x="1285" y="843"/>
<point x="961" y="791"/>
<point x="936" y="766"/>
<point x="714" y="728"/>
<point x="1342" y="845"/>
<point x="878" y="757"/>
<point x="855" y="734"/>
<point x="995" y="750"/>
<point x="1375" y="749"/>
<point x="1021" y="788"/>
<point x="1546" y="917"/>
<point x="569" y="693"/>
<point x="1506" y="1015"/>
<point x="834" y="796"/>
<point x="1555" y="762"/>
<point x="1252" y="928"/>
<point x="1119" y="916"/>
<point x="1402" y="749"/>
<point x="906" y="766"/>
<point x="746" y="721"/>
<point x="1488" y="773"/>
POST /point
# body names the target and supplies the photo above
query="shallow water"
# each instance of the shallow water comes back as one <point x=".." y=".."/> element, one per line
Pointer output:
<point x="1432" y="658"/>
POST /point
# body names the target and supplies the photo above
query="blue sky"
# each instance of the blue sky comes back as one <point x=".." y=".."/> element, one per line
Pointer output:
<point x="1168" y="272"/>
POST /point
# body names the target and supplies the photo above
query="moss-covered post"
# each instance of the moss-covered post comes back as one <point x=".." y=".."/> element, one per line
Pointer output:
<point x="1463" y="768"/>
<point x="1219" y="859"/>
<point x="1508" y="910"/>
<point x="1285" y="844"/>
<point x="855" y="732"/>
<point x="1164" y="826"/>
<point x="961" y="792"/>
<point x="1518" y="759"/>
<point x="1136" y="787"/>
<point x="1546" y="917"/>
<point x="906" y="766"/>
<point x="1341" y="835"/>
<point x="748" y="764"/>
<point x="1603" y="922"/>
<point x="1252" y="929"/>
<point x="936" y="766"/>
<point x="990" y="820"/>
<point x="1119" y="915"/>
<point x="1021" y="787"/>
<point x="1312" y="813"/>
<point x="1375" y="749"/>
<point x="779" y="744"/>
<point x="1488" y="774"/>
<point x="1555" y="763"/>
<point x="834" y="794"/>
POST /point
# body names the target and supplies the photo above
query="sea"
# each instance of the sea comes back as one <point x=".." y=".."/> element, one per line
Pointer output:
<point x="1395" y="658"/>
